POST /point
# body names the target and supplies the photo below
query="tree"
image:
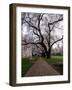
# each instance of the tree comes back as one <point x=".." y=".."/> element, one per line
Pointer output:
<point x="42" y="26"/>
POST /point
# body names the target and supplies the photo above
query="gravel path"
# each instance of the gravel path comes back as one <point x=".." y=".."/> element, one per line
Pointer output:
<point x="41" y="68"/>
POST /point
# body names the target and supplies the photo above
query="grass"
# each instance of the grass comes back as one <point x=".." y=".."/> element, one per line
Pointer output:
<point x="27" y="64"/>
<point x="54" y="59"/>
<point x="57" y="63"/>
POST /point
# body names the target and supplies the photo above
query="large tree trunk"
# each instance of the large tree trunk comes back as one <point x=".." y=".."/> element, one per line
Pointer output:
<point x="49" y="53"/>
<point x="49" y="50"/>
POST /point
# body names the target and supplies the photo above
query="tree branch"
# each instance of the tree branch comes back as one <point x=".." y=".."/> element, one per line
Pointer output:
<point x="56" y="41"/>
<point x="30" y="43"/>
<point x="40" y="48"/>
<point x="36" y="34"/>
<point x="32" y="25"/>
<point x="39" y="20"/>
<point x="52" y="27"/>
<point x="38" y="29"/>
<point x="56" y="21"/>
<point x="42" y="16"/>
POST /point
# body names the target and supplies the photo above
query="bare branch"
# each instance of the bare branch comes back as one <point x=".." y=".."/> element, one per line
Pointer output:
<point x="56" y="41"/>
<point x="47" y="40"/>
<point x="39" y="20"/>
<point x="52" y="27"/>
<point x="39" y="47"/>
<point x="31" y="25"/>
<point x="30" y="43"/>
<point x="36" y="33"/>
<point x="42" y="16"/>
<point x="38" y="29"/>
<point x="56" y="21"/>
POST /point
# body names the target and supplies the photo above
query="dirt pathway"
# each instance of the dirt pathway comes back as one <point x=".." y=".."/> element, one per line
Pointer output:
<point x="40" y="68"/>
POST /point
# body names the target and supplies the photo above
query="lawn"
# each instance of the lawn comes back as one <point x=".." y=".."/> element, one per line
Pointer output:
<point x="26" y="64"/>
<point x="56" y="62"/>
<point x="55" y="59"/>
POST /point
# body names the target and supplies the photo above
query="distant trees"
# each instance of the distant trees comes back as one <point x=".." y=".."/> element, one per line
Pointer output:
<point x="45" y="30"/>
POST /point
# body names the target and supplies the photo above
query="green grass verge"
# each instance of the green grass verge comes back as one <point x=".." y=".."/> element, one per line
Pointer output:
<point x="55" y="59"/>
<point x="26" y="64"/>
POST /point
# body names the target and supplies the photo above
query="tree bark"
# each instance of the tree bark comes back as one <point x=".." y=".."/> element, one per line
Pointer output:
<point x="49" y="53"/>
<point x="49" y="50"/>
